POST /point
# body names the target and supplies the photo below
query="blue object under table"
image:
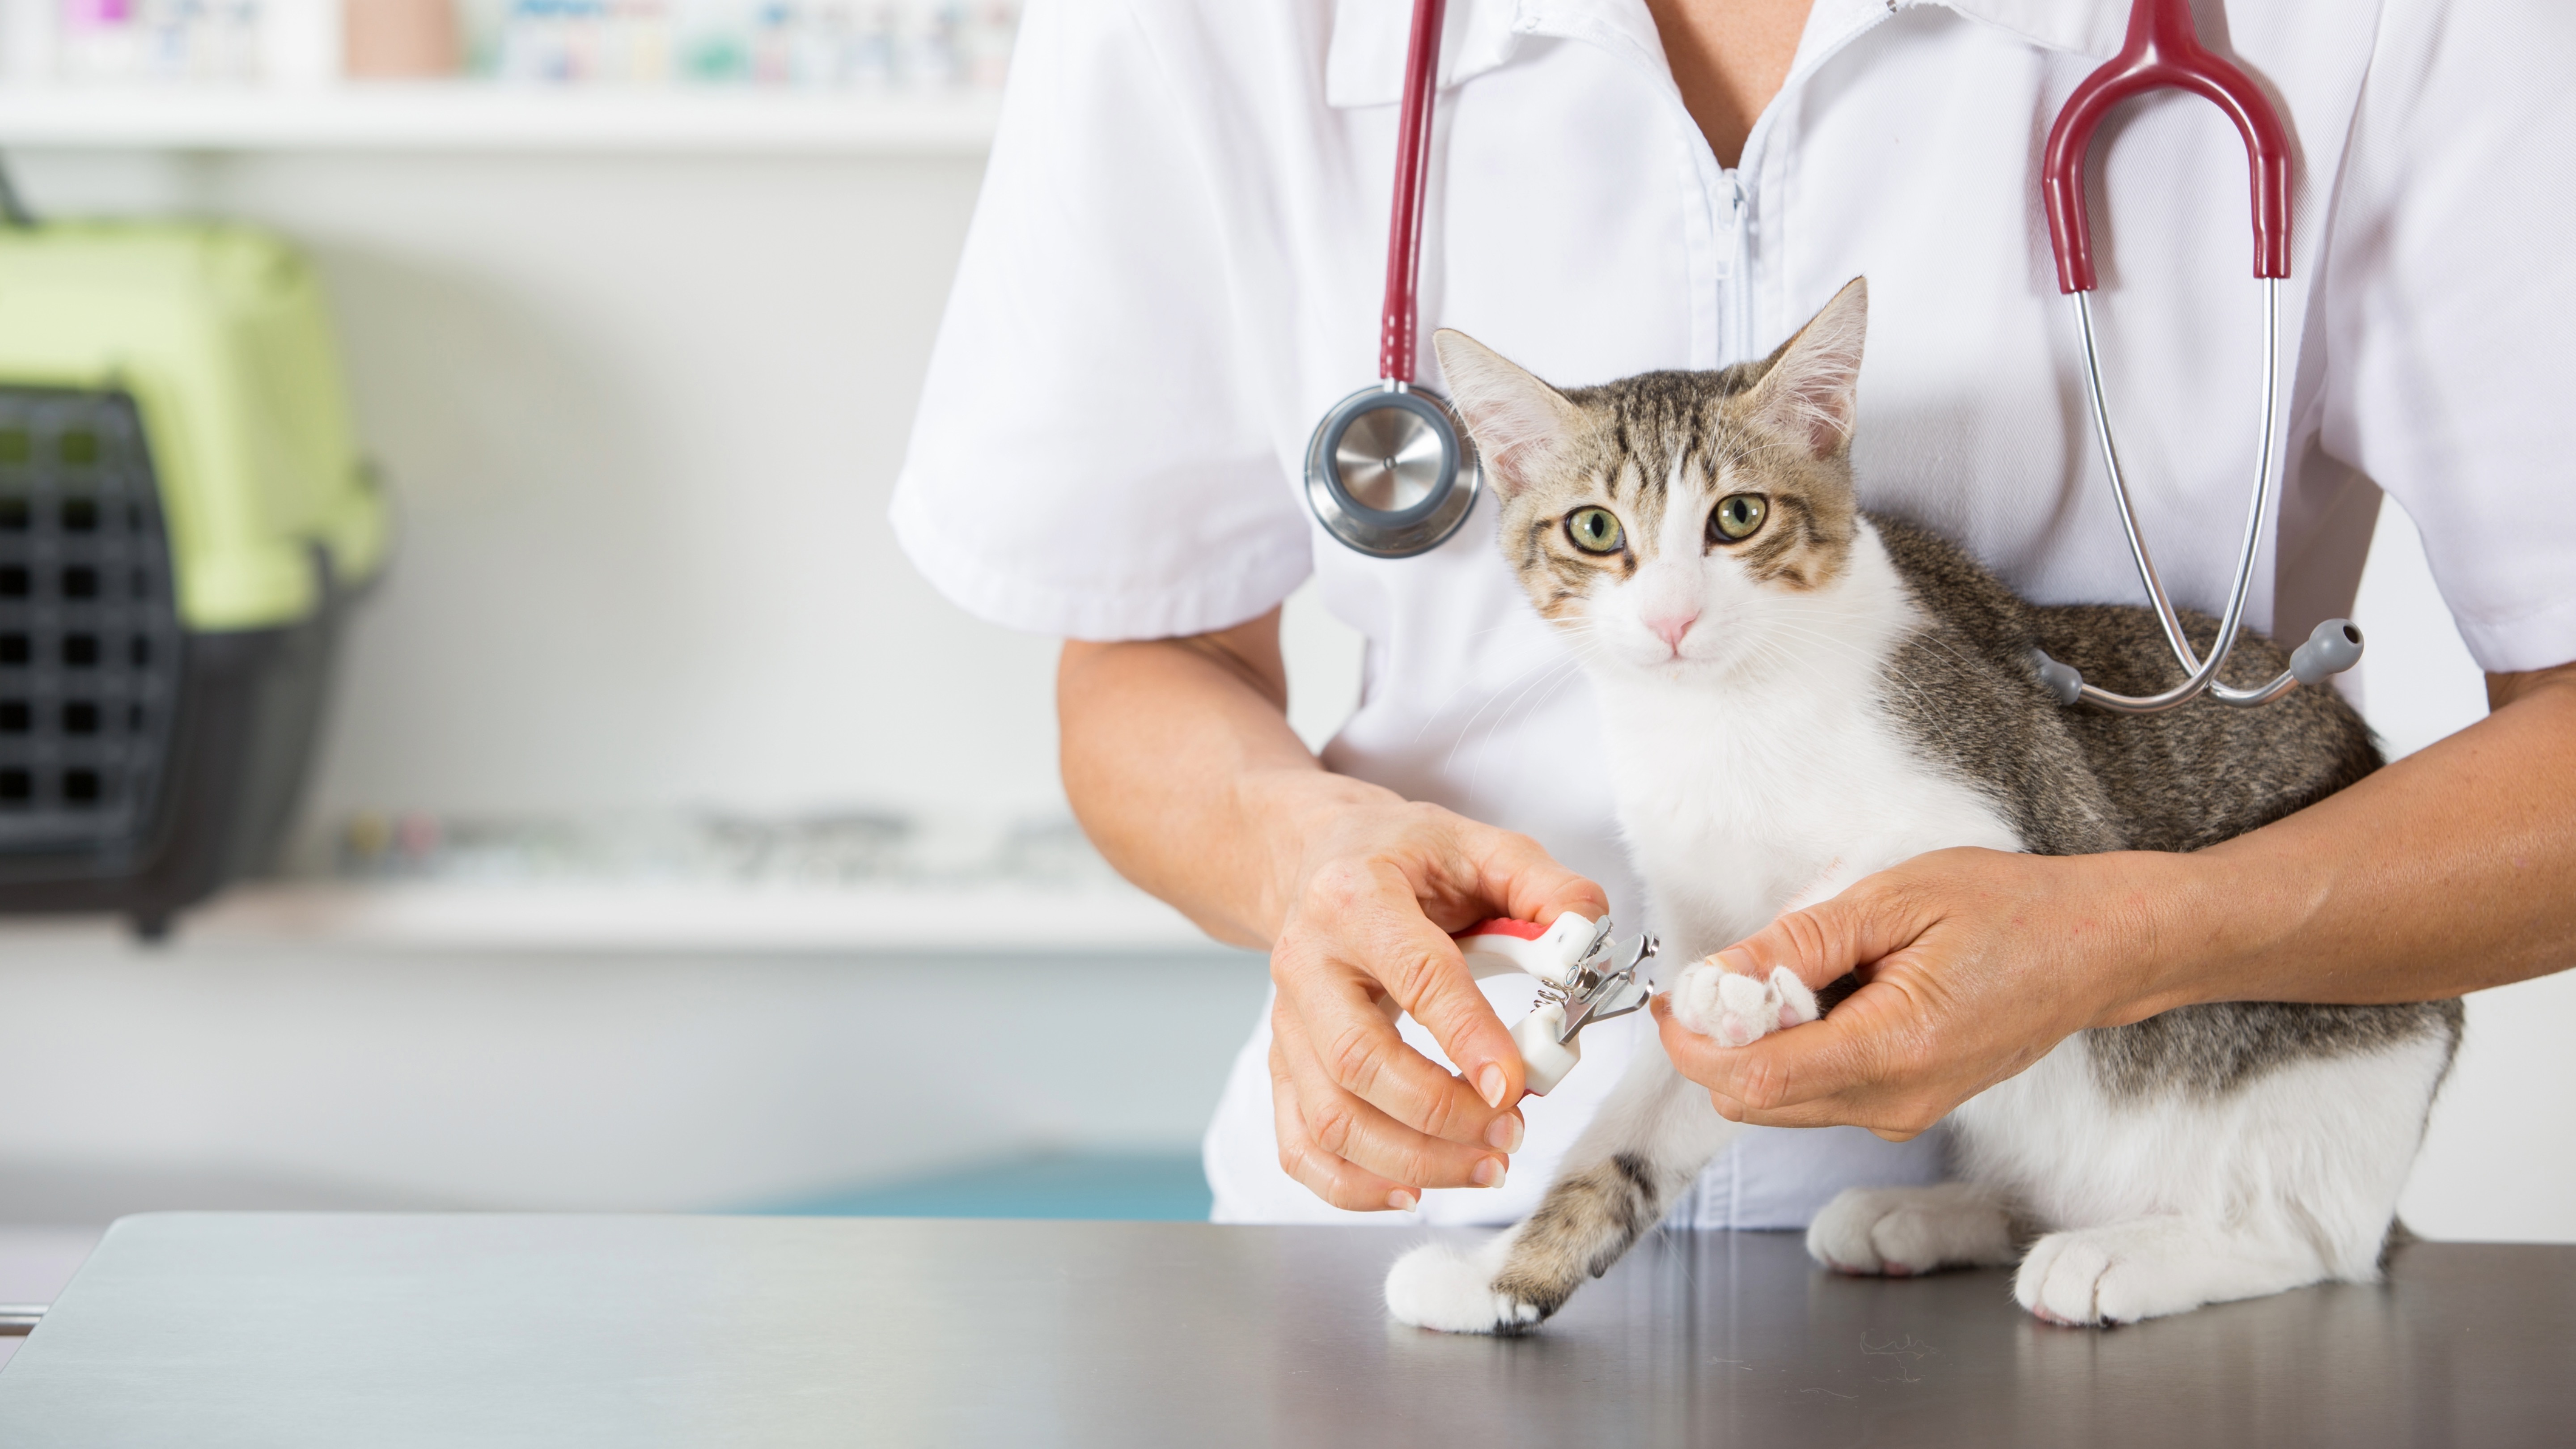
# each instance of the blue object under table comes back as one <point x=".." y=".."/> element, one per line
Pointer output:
<point x="206" y="1330"/>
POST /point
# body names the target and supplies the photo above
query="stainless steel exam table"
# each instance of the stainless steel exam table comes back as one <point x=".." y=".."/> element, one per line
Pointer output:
<point x="210" y="1330"/>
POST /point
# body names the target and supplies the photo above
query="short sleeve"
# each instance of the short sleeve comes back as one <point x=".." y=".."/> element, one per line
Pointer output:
<point x="1088" y="459"/>
<point x="2451" y="305"/>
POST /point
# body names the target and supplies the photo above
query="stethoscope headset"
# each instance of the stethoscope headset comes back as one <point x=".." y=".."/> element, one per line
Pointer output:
<point x="1391" y="472"/>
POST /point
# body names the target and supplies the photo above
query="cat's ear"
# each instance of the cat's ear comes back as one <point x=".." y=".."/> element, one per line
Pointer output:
<point x="1811" y="391"/>
<point x="1520" y="423"/>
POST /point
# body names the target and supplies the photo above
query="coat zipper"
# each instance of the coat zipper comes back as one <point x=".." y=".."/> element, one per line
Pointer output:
<point x="1740" y="197"/>
<point x="1737" y="326"/>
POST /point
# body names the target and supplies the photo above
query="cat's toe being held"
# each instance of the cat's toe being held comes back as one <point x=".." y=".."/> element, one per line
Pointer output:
<point x="1437" y="1286"/>
<point x="1737" y="1010"/>
<point x="1695" y="996"/>
<point x="1902" y="1231"/>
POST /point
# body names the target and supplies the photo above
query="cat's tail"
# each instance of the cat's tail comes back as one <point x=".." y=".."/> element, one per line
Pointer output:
<point x="1651" y="1138"/>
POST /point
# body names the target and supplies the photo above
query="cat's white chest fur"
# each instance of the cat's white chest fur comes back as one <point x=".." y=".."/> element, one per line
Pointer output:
<point x="1779" y="785"/>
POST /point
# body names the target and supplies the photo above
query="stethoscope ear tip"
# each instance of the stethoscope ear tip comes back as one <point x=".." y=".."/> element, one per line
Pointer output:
<point x="2063" y="681"/>
<point x="2333" y="647"/>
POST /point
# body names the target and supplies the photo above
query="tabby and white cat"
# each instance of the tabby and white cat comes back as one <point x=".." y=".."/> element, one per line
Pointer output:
<point x="1798" y="694"/>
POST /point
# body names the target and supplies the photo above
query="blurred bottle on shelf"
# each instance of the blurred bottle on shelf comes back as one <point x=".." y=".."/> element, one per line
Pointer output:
<point x="156" y="40"/>
<point x="844" y="847"/>
<point x="399" y="39"/>
<point x="918" y="46"/>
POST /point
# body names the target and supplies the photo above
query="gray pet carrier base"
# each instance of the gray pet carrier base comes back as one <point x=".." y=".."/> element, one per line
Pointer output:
<point x="142" y="766"/>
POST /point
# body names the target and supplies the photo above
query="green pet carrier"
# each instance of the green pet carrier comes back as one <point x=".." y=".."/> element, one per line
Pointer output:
<point x="183" y="520"/>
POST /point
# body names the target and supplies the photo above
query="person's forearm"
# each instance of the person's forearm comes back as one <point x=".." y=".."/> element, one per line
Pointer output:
<point x="1179" y="762"/>
<point x="2450" y="870"/>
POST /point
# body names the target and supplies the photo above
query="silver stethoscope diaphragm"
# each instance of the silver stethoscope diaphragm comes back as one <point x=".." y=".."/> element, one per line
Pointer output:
<point x="1390" y="472"/>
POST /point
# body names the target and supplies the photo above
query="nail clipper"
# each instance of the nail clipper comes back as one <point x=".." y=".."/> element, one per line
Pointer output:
<point x="1578" y="985"/>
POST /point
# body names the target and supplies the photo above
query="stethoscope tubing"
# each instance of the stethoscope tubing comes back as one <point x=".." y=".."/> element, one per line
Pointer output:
<point x="2202" y="674"/>
<point x="2163" y="52"/>
<point x="1396" y="329"/>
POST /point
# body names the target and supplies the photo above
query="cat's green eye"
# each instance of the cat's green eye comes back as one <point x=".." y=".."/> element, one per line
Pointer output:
<point x="1595" y="530"/>
<point x="1738" y="516"/>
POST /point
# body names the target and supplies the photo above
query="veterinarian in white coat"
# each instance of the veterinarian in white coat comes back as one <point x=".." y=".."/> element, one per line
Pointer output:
<point x="1175" y="268"/>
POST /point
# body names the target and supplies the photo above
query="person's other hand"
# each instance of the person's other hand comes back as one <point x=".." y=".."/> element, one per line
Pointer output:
<point x="1364" y="1121"/>
<point x="1973" y="964"/>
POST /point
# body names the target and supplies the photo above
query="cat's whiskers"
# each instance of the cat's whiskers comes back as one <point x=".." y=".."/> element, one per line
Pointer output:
<point x="1577" y="629"/>
<point x="1574" y="658"/>
<point x="1540" y="667"/>
<point x="1888" y="669"/>
<point x="1766" y="636"/>
<point x="1938" y="638"/>
<point x="1573" y="664"/>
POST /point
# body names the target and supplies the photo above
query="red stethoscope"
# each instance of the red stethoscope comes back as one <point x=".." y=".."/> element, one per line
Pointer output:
<point x="1392" y="473"/>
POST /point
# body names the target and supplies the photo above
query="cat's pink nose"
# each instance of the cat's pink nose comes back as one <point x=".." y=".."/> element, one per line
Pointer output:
<point x="1671" y="627"/>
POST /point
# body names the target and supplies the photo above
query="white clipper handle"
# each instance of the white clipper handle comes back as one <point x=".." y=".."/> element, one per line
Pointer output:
<point x="1504" y="947"/>
<point x="1544" y="1059"/>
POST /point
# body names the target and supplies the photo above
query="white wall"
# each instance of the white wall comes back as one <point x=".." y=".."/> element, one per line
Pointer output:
<point x="2497" y="1164"/>
<point x="642" y="415"/>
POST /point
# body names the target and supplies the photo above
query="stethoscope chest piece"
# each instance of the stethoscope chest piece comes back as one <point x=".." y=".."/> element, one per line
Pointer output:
<point x="1391" y="472"/>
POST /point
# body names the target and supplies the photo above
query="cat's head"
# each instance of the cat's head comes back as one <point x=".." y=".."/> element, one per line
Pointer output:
<point x="1675" y="518"/>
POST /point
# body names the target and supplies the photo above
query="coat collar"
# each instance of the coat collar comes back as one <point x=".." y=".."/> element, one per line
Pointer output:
<point x="2085" y="27"/>
<point x="1365" y="66"/>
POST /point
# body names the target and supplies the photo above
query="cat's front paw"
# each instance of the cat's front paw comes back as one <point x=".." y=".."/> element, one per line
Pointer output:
<point x="2121" y="1273"/>
<point x="1436" y="1286"/>
<point x="1737" y="1010"/>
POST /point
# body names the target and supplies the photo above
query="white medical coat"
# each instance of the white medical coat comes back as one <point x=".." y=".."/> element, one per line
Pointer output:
<point x="1176" y="268"/>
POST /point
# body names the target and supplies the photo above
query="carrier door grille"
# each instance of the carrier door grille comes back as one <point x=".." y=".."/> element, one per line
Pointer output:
<point x="89" y="631"/>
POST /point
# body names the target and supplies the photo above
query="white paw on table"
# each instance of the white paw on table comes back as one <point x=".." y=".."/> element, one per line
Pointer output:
<point x="1437" y="1286"/>
<point x="2124" y="1272"/>
<point x="1902" y="1231"/>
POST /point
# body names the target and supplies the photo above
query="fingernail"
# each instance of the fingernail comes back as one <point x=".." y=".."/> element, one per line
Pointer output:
<point x="1489" y="1084"/>
<point x="1505" y="1134"/>
<point x="1488" y="1173"/>
<point x="1400" y="1200"/>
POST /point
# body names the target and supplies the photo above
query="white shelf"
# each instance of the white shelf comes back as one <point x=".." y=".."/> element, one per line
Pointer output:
<point x="695" y="918"/>
<point x="486" y="117"/>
